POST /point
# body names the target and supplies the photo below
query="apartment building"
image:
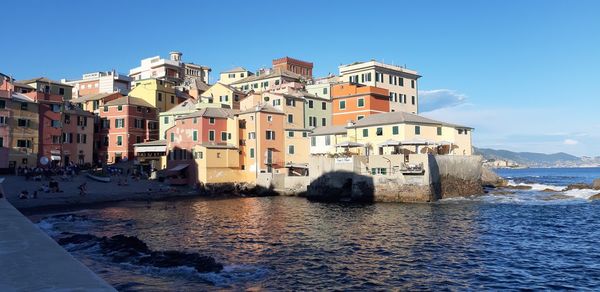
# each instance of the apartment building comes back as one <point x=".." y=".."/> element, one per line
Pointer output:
<point x="99" y="82"/>
<point x="233" y="75"/>
<point x="173" y="70"/>
<point x="303" y="68"/>
<point x="352" y="102"/>
<point x="159" y="93"/>
<point x="77" y="135"/>
<point x="400" y="82"/>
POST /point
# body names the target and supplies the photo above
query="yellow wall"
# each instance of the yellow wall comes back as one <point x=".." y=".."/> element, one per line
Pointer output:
<point x="149" y="89"/>
<point x="218" y="90"/>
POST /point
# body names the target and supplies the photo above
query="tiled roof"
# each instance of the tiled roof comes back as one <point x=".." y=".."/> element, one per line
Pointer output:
<point x="187" y="105"/>
<point x="236" y="69"/>
<point x="44" y="80"/>
<point x="263" y="107"/>
<point x="96" y="96"/>
<point x="129" y="100"/>
<point x="329" y="130"/>
<point x="211" y="112"/>
<point x="397" y="118"/>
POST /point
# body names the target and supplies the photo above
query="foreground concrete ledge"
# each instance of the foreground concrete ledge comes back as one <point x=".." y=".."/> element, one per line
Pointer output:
<point x="32" y="261"/>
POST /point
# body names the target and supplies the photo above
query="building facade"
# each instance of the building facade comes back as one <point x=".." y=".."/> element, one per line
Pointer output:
<point x="173" y="69"/>
<point x="100" y="82"/>
<point x="233" y="75"/>
<point x="352" y="102"/>
<point x="299" y="67"/>
<point x="159" y="93"/>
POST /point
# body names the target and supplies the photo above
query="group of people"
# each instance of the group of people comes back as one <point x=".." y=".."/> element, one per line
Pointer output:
<point x="39" y="173"/>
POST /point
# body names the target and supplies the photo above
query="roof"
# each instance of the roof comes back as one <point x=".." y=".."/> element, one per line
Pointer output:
<point x="273" y="74"/>
<point x="23" y="85"/>
<point x="129" y="100"/>
<point x="96" y="96"/>
<point x="77" y="111"/>
<point x="397" y="118"/>
<point x="187" y="105"/>
<point x="236" y="69"/>
<point x="211" y="112"/>
<point x="235" y="90"/>
<point x="44" y="80"/>
<point x="191" y="82"/>
<point x="263" y="107"/>
<point x="329" y="130"/>
<point x="152" y="143"/>
<point x="217" y="145"/>
<point x="21" y="97"/>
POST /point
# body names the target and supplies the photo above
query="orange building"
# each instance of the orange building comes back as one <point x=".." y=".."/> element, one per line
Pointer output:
<point x="294" y="65"/>
<point x="352" y="102"/>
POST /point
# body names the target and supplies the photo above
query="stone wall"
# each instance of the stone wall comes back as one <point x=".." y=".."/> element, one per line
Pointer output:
<point x="459" y="175"/>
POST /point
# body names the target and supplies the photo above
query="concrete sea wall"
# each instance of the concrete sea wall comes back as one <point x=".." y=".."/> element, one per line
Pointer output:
<point x="32" y="261"/>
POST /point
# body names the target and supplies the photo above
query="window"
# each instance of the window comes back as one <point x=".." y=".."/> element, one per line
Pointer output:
<point x="3" y="104"/>
<point x="291" y="134"/>
<point x="361" y="102"/>
<point x="376" y="170"/>
<point x="119" y="140"/>
<point x="313" y="141"/>
<point x="56" y="139"/>
<point x="211" y="135"/>
<point x="84" y="138"/>
<point x="67" y="119"/>
<point x="1" y="142"/>
<point x="390" y="79"/>
<point x="23" y="143"/>
<point x="172" y="99"/>
<point x="304" y="134"/>
<point x="251" y="135"/>
<point x="55" y="124"/>
<point x="195" y="135"/>
<point x="342" y="104"/>
<point x="325" y="90"/>
<point x="195" y="120"/>
<point x="365" y="132"/>
<point x="105" y="108"/>
<point x="417" y="130"/>
<point x="323" y="122"/>
<point x="269" y="119"/>
<point x="360" y="117"/>
<point x="61" y="91"/>
<point x="119" y="123"/>
<point x="56" y="108"/>
<point x="138" y="139"/>
<point x="439" y="131"/>
<point x="290" y="118"/>
<point x="401" y="81"/>
<point x="310" y="104"/>
<point x="290" y="102"/>
<point x="120" y="108"/>
<point x="323" y="105"/>
<point x="172" y="137"/>
<point x="413" y="99"/>
<point x="270" y="135"/>
<point x="211" y="121"/>
<point x="412" y="84"/>
<point x="223" y="136"/>
<point x="379" y="131"/>
<point x="138" y="123"/>
<point x="105" y="123"/>
<point x="290" y="149"/>
<point x="327" y="140"/>
<point x="251" y="152"/>
<point x="3" y="120"/>
<point x="312" y="121"/>
<point x="166" y="120"/>
<point x="395" y="130"/>
<point x="159" y="96"/>
<point x="23" y="122"/>
<point x="24" y="106"/>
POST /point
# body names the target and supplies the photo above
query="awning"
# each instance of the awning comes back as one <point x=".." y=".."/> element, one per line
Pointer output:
<point x="179" y="167"/>
<point x="349" y="144"/>
<point x="417" y="142"/>
<point x="296" y="165"/>
<point x="55" y="157"/>
<point x="389" y="142"/>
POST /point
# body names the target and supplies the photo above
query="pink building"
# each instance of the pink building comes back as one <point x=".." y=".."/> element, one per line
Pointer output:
<point x="124" y="122"/>
<point x="207" y="126"/>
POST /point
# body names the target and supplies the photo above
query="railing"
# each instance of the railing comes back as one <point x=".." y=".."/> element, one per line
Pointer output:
<point x="411" y="168"/>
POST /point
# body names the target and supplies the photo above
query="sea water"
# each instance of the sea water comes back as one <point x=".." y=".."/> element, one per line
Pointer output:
<point x="522" y="239"/>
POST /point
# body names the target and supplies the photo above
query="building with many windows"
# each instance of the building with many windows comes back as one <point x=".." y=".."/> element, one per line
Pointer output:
<point x="19" y="136"/>
<point x="100" y="82"/>
<point x="233" y="75"/>
<point x="173" y="69"/>
<point x="352" y="102"/>
<point x="401" y="83"/>
<point x="299" y="67"/>
<point x="159" y="93"/>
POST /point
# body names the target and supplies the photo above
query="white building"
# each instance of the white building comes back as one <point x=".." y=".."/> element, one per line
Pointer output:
<point x="172" y="69"/>
<point x="100" y="82"/>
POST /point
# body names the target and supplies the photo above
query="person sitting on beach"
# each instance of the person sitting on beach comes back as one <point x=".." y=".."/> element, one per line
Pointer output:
<point x="23" y="195"/>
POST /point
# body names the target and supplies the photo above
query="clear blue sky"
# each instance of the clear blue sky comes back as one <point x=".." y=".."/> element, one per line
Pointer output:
<point x="523" y="73"/>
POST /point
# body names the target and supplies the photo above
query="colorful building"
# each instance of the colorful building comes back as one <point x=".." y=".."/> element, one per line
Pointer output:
<point x="160" y="94"/>
<point x="393" y="133"/>
<point x="299" y="67"/>
<point x="95" y="102"/>
<point x="400" y="82"/>
<point x="233" y="75"/>
<point x="100" y="82"/>
<point x="221" y="95"/>
<point x="352" y="102"/>
<point x="266" y="79"/>
<point x="77" y="136"/>
<point x="51" y="87"/>
<point x="172" y="70"/>
<point x="167" y="119"/>
<point x="124" y="122"/>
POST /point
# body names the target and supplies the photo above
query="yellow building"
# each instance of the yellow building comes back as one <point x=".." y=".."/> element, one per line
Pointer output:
<point x="393" y="133"/>
<point x="221" y="95"/>
<point x="159" y="93"/>
<point x="219" y="164"/>
<point x="233" y="75"/>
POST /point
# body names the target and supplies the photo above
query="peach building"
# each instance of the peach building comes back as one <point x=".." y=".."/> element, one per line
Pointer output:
<point x="353" y="102"/>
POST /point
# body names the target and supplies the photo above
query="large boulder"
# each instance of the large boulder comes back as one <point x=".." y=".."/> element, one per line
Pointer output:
<point x="596" y="184"/>
<point x="491" y="179"/>
<point x="578" y="186"/>
<point x="169" y="259"/>
<point x="77" y="239"/>
<point x="595" y="197"/>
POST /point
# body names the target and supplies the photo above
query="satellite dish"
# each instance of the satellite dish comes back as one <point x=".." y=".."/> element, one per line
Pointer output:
<point x="44" y="160"/>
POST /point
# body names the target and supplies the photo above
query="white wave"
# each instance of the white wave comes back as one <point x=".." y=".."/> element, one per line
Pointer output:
<point x="537" y="187"/>
<point x="581" y="194"/>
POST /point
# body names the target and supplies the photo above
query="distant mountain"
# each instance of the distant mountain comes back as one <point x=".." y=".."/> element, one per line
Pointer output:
<point x="533" y="159"/>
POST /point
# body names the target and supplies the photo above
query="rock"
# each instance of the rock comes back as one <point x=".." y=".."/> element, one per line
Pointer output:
<point x="578" y="186"/>
<point x="596" y="184"/>
<point x="503" y="193"/>
<point x="491" y="180"/>
<point x="556" y="197"/>
<point x="77" y="239"/>
<point x="519" y="187"/>
<point x="168" y="259"/>
<point x="121" y="247"/>
<point x="549" y="191"/>
<point x="595" y="197"/>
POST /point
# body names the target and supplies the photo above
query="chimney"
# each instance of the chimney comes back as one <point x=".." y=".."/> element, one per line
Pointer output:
<point x="175" y="56"/>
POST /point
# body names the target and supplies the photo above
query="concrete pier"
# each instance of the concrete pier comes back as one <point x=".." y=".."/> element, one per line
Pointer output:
<point x="31" y="261"/>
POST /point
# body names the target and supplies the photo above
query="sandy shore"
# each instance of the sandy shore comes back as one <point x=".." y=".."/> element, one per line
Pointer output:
<point x="97" y="192"/>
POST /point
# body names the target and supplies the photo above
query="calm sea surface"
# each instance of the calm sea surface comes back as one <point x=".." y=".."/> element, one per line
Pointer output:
<point x="527" y="239"/>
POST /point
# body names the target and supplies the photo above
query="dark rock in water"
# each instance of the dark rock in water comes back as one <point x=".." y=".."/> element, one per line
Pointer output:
<point x="549" y="191"/>
<point x="556" y="197"/>
<point x="595" y="197"/>
<point x="77" y="239"/>
<point x="578" y="186"/>
<point x="169" y="259"/>
<point x="67" y="217"/>
<point x="122" y="248"/>
<point x="492" y="180"/>
<point x="519" y="187"/>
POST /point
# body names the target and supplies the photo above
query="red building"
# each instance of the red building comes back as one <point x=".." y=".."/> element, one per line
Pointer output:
<point x="123" y="122"/>
<point x="294" y="65"/>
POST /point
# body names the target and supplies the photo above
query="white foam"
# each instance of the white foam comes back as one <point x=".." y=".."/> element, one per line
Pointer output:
<point x="581" y="194"/>
<point x="537" y="187"/>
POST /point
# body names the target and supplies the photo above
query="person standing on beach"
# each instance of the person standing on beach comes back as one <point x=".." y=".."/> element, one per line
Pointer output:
<point x="83" y="189"/>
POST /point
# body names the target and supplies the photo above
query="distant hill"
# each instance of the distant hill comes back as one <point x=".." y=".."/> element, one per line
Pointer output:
<point x="533" y="159"/>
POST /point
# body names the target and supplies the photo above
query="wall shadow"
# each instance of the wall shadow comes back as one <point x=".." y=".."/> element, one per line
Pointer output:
<point x="341" y="186"/>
